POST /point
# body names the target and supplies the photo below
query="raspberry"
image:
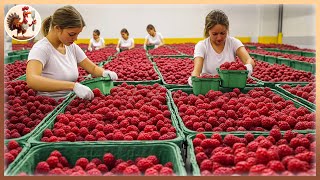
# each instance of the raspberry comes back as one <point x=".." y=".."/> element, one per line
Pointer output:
<point x="304" y="142"/>
<point x="132" y="170"/>
<point x="151" y="172"/>
<point x="144" y="164"/>
<point x="109" y="160"/>
<point x="295" y="142"/>
<point x="153" y="159"/>
<point x="90" y="166"/>
<point x="240" y="157"/>
<point x="276" y="134"/>
<point x="144" y="136"/>
<point x="90" y="137"/>
<point x="53" y="161"/>
<point x="206" y="165"/>
<point x="295" y="166"/>
<point x="165" y="171"/>
<point x="306" y="156"/>
<point x="14" y="152"/>
<point x="223" y="171"/>
<point x="94" y="172"/>
<point x="276" y="166"/>
<point x="64" y="162"/>
<point x="230" y="139"/>
<point x="71" y="137"/>
<point x="121" y="167"/>
<point x="102" y="167"/>
<point x="200" y="157"/>
<point x="56" y="153"/>
<point x="97" y="92"/>
<point x="42" y="168"/>
<point x="257" y="169"/>
<point x="13" y="144"/>
<point x="8" y="158"/>
<point x="56" y="171"/>
<point x="262" y="156"/>
<point x="210" y="143"/>
<point x="82" y="162"/>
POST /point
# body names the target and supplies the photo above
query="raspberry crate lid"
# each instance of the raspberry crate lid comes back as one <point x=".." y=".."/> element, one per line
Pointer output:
<point x="105" y="84"/>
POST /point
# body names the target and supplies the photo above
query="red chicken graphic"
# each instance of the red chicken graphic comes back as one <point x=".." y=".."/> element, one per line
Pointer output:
<point x="13" y="22"/>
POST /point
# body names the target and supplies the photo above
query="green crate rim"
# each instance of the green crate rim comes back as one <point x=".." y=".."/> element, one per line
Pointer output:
<point x="178" y="164"/>
<point x="300" y="99"/>
<point x="35" y="139"/>
<point x="187" y="131"/>
<point x="272" y="84"/>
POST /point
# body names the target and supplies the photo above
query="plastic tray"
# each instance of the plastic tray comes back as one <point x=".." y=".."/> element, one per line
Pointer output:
<point x="260" y="57"/>
<point x="203" y="85"/>
<point x="103" y="83"/>
<point x="272" y="84"/>
<point x="285" y="61"/>
<point x="272" y="49"/>
<point x="187" y="131"/>
<point x="270" y="59"/>
<point x="296" y="52"/>
<point x="36" y="138"/>
<point x="25" y="148"/>
<point x="166" y="152"/>
<point x="233" y="78"/>
<point x="293" y="96"/>
<point x="308" y="54"/>
<point x="304" y="66"/>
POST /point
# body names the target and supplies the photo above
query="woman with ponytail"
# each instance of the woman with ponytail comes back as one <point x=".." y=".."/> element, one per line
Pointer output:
<point x="53" y="61"/>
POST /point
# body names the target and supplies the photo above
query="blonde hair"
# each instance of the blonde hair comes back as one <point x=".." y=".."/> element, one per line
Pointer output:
<point x="64" y="17"/>
<point x="213" y="18"/>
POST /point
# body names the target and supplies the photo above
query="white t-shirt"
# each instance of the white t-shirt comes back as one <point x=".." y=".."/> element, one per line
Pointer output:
<point x="213" y="60"/>
<point x="156" y="40"/>
<point x="98" y="43"/>
<point x="56" y="65"/>
<point x="125" y="43"/>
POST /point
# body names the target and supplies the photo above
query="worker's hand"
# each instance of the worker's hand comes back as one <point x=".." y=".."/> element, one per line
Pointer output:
<point x="249" y="68"/>
<point x="156" y="46"/>
<point x="190" y="81"/>
<point x="89" y="48"/>
<point x="83" y="91"/>
<point x="118" y="49"/>
<point x="97" y="48"/>
<point x="112" y="74"/>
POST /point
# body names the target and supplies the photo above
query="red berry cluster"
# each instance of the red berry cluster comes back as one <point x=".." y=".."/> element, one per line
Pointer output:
<point x="163" y="50"/>
<point x="232" y="66"/>
<point x="24" y="110"/>
<point x="288" y="155"/>
<point x="108" y="165"/>
<point x="258" y="110"/>
<point x="11" y="152"/>
<point x="14" y="70"/>
<point x="101" y="54"/>
<point x="173" y="70"/>
<point x="307" y="92"/>
<point x="276" y="73"/>
<point x="128" y="113"/>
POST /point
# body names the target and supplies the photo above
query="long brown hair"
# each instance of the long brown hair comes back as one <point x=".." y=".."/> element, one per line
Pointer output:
<point x="64" y="17"/>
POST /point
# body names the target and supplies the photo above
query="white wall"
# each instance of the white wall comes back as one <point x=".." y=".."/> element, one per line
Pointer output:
<point x="187" y="21"/>
<point x="299" y="25"/>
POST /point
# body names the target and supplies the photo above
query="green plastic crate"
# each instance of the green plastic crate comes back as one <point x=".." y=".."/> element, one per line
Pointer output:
<point x="187" y="131"/>
<point x="203" y="85"/>
<point x="14" y="58"/>
<point x="24" y="56"/>
<point x="22" y="78"/>
<point x="105" y="84"/>
<point x="149" y="47"/>
<point x="254" y="55"/>
<point x="194" y="167"/>
<point x="260" y="57"/>
<point x="272" y="49"/>
<point x="7" y="60"/>
<point x="166" y="152"/>
<point x="36" y="138"/>
<point x="270" y="59"/>
<point x="25" y="148"/>
<point x="304" y="66"/>
<point x="285" y="61"/>
<point x="296" y="52"/>
<point x="233" y="78"/>
<point x="308" y="54"/>
<point x="272" y="84"/>
<point x="251" y="47"/>
<point x="293" y="96"/>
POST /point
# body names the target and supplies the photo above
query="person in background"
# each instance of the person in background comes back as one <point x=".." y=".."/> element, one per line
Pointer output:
<point x="96" y="42"/>
<point x="125" y="42"/>
<point x="52" y="66"/>
<point x="218" y="47"/>
<point x="154" y="38"/>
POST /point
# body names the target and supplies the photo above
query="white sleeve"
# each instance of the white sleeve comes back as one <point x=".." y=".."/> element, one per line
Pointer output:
<point x="160" y="35"/>
<point x="91" y="41"/>
<point x="79" y="54"/>
<point x="40" y="54"/>
<point x="119" y="42"/>
<point x="102" y="40"/>
<point x="147" y="36"/>
<point x="236" y="43"/>
<point x="199" y="50"/>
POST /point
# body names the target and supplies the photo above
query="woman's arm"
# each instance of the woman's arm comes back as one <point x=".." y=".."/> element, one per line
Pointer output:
<point x="161" y="42"/>
<point x="91" y="68"/>
<point x="198" y="64"/>
<point x="89" y="46"/>
<point x="244" y="56"/>
<point x="132" y="46"/>
<point x="103" y="44"/>
<point x="40" y="83"/>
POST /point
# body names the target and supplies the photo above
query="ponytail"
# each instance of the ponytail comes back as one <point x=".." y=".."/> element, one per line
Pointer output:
<point x="46" y="26"/>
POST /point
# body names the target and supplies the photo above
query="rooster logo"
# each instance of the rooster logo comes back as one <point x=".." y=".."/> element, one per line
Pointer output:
<point x="14" y="23"/>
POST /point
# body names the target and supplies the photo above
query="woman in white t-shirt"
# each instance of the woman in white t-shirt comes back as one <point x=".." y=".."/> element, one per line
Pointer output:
<point x="125" y="42"/>
<point x="53" y="61"/>
<point x="153" y="38"/>
<point x="218" y="47"/>
<point x="96" y="42"/>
